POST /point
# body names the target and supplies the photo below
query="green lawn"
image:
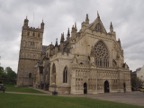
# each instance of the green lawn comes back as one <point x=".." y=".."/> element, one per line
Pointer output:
<point x="38" y="101"/>
<point x="35" y="101"/>
<point x="12" y="88"/>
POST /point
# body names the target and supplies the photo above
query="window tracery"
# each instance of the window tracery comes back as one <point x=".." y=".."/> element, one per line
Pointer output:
<point x="101" y="55"/>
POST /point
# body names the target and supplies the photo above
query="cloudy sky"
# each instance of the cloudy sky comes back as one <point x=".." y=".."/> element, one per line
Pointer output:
<point x="127" y="17"/>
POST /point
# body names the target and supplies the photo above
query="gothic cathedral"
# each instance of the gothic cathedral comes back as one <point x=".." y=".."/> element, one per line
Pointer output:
<point x="86" y="61"/>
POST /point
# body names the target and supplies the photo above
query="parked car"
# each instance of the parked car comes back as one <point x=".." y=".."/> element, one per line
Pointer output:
<point x="2" y="88"/>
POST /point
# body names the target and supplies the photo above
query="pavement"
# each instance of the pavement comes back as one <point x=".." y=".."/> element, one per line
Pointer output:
<point x="134" y="98"/>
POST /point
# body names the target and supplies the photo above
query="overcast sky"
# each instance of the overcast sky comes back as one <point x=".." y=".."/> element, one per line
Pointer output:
<point x="127" y="17"/>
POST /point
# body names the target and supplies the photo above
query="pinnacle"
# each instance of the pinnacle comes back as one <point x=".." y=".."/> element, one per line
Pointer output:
<point x="98" y="15"/>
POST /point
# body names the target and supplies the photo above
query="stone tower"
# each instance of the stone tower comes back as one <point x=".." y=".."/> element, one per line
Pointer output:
<point x="30" y="52"/>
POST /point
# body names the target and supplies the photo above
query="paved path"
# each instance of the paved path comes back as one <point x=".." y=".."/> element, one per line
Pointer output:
<point x="134" y="98"/>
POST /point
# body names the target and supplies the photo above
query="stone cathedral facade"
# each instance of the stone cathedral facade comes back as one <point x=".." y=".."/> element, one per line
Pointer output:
<point x="88" y="61"/>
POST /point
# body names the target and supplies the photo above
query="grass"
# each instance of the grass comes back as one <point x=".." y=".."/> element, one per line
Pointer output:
<point x="13" y="88"/>
<point x="39" y="101"/>
<point x="34" y="101"/>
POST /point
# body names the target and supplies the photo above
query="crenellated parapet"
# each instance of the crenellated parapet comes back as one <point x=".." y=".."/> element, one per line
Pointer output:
<point x="27" y="27"/>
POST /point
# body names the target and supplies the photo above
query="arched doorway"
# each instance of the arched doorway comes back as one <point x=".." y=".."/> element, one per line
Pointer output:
<point x="106" y="87"/>
<point x="85" y="88"/>
<point x="124" y="87"/>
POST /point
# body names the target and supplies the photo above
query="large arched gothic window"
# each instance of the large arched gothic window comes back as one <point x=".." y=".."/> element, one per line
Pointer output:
<point x="65" y="74"/>
<point x="53" y="79"/>
<point x="101" y="55"/>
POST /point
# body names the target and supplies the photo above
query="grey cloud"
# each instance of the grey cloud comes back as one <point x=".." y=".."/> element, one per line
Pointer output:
<point x="58" y="15"/>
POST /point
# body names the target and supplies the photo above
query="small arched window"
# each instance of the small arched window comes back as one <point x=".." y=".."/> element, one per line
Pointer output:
<point x="65" y="74"/>
<point x="38" y="35"/>
<point x="28" y="33"/>
<point x="33" y="33"/>
<point x="30" y="75"/>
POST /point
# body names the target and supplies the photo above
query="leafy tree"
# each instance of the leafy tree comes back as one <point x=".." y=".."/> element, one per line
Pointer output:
<point x="7" y="76"/>
<point x="11" y="75"/>
<point x="1" y="71"/>
<point x="136" y="83"/>
<point x="2" y="74"/>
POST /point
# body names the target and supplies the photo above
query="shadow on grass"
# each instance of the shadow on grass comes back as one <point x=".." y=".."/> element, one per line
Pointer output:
<point x="13" y="88"/>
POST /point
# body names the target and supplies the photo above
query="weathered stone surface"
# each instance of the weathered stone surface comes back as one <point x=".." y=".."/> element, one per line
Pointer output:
<point x="30" y="52"/>
<point x="89" y="61"/>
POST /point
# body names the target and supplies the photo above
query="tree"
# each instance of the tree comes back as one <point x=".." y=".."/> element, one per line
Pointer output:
<point x="2" y="74"/>
<point x="136" y="83"/>
<point x="11" y="75"/>
<point x="1" y="71"/>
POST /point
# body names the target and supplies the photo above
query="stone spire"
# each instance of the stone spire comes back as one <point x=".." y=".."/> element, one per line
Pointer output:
<point x="111" y="27"/>
<point x="98" y="15"/>
<point x="68" y="34"/>
<point x="119" y="41"/>
<point x="75" y="26"/>
<point x="87" y="19"/>
<point x="62" y="38"/>
<point x="26" y="22"/>
<point x="73" y="31"/>
<point x="42" y="25"/>
<point x="56" y="44"/>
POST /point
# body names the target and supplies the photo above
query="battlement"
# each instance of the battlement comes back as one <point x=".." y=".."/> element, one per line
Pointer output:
<point x="27" y="27"/>
<point x="33" y="29"/>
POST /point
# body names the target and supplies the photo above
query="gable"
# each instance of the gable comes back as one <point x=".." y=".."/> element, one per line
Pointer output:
<point x="97" y="26"/>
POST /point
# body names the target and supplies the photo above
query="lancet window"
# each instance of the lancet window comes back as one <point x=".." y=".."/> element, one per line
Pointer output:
<point x="65" y="75"/>
<point x="53" y="74"/>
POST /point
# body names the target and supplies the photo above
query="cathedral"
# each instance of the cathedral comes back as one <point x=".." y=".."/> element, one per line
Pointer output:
<point x="85" y="61"/>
